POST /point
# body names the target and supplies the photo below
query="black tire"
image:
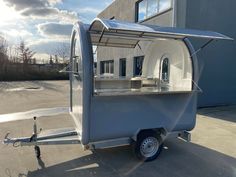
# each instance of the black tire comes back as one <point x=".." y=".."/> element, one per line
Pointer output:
<point x="146" y="139"/>
<point x="37" y="151"/>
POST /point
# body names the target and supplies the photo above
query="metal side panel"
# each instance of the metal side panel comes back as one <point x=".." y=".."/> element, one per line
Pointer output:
<point x="110" y="143"/>
<point x="184" y="135"/>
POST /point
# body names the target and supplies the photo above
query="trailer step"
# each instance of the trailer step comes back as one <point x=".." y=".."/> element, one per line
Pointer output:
<point x="186" y="136"/>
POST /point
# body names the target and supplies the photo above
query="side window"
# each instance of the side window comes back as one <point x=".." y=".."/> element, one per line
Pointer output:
<point x="107" y="67"/>
<point x="165" y="66"/>
<point x="152" y="7"/>
<point x="138" y="65"/>
<point x="163" y="5"/>
<point x="77" y="59"/>
<point x="123" y="67"/>
<point x="74" y="58"/>
<point x="141" y="8"/>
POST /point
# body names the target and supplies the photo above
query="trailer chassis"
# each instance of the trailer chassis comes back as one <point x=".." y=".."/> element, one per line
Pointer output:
<point x="66" y="136"/>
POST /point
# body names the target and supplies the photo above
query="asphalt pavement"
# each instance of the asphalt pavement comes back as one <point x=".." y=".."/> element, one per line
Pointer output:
<point x="212" y="151"/>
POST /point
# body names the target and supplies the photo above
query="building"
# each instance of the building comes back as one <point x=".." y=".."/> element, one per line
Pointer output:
<point x="217" y="61"/>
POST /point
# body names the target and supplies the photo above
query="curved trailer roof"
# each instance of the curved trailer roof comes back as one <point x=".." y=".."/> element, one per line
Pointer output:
<point x="117" y="33"/>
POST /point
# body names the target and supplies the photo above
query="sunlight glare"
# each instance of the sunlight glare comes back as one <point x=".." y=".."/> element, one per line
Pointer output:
<point x="7" y="14"/>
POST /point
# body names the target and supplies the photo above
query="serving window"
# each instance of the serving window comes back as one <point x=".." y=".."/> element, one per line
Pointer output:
<point x="153" y="67"/>
<point x="167" y="64"/>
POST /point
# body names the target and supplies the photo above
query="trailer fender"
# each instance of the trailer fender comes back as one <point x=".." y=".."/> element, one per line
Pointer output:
<point x="160" y="131"/>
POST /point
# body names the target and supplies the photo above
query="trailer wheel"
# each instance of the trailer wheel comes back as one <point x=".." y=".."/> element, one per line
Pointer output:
<point x="148" y="146"/>
<point x="37" y="151"/>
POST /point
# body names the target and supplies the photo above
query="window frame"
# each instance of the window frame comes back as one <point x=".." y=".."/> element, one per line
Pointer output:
<point x="161" y="70"/>
<point x="77" y="61"/>
<point x="135" y="63"/>
<point x="107" y="64"/>
<point x="120" y="67"/>
<point x="154" y="15"/>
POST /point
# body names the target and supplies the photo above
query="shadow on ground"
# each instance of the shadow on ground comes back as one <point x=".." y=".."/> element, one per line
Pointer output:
<point x="227" y="113"/>
<point x="178" y="159"/>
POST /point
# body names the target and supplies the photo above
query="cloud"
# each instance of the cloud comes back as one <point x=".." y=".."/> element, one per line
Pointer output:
<point x="53" y="2"/>
<point x="87" y="14"/>
<point x="52" y="30"/>
<point x="24" y="4"/>
<point x="43" y="41"/>
<point x="50" y="13"/>
<point x="89" y="10"/>
<point x="49" y="46"/>
<point x="18" y="33"/>
<point x="43" y="56"/>
<point x="13" y="36"/>
<point x="42" y="9"/>
<point x="40" y="12"/>
<point x="45" y="24"/>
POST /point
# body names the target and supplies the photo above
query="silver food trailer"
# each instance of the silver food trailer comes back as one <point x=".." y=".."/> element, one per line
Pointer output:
<point x="142" y="110"/>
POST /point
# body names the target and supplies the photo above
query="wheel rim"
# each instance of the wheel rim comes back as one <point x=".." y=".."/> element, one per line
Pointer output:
<point x="149" y="147"/>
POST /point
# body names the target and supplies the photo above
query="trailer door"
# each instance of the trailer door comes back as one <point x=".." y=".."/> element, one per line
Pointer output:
<point x="76" y="78"/>
<point x="81" y="79"/>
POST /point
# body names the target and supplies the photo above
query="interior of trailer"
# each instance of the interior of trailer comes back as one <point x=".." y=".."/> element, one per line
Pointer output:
<point x="166" y="65"/>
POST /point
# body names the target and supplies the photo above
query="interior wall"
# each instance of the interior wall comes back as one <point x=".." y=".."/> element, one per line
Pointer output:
<point x="180" y="75"/>
<point x="180" y="64"/>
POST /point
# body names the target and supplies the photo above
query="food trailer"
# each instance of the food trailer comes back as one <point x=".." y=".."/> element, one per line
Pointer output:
<point x="142" y="110"/>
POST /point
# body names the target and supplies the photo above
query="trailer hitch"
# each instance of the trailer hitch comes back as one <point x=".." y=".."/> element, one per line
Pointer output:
<point x="16" y="142"/>
<point x="6" y="139"/>
<point x="34" y="138"/>
<point x="13" y="141"/>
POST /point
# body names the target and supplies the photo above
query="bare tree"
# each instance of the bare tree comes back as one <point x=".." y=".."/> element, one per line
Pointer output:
<point x="50" y="60"/>
<point x="62" y="51"/>
<point x="3" y="57"/>
<point x="3" y="49"/>
<point x="56" y="59"/>
<point x="25" y="54"/>
<point x="13" y="54"/>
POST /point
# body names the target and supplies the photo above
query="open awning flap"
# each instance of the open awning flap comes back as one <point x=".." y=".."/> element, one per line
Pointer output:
<point x="117" y="33"/>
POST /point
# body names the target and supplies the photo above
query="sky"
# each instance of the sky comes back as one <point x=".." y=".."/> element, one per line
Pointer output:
<point x="45" y="24"/>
